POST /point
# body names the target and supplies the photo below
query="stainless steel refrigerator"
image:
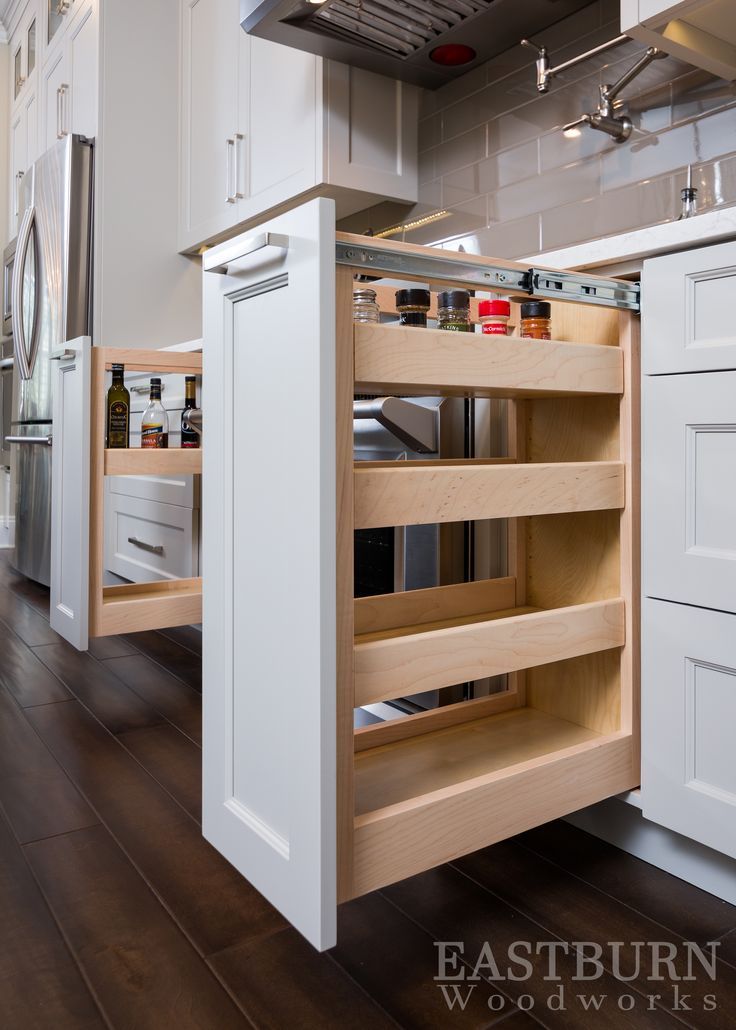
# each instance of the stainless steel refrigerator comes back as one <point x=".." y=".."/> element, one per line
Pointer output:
<point x="50" y="305"/>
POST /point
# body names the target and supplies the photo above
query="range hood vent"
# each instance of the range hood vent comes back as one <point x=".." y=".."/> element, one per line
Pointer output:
<point x="398" y="28"/>
<point x="396" y="37"/>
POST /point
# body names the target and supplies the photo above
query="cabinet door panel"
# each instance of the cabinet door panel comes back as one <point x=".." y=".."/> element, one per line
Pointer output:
<point x="688" y="714"/>
<point x="80" y="103"/>
<point x="210" y="36"/>
<point x="689" y="489"/>
<point x="371" y="132"/>
<point x="18" y="163"/>
<point x="55" y="82"/>
<point x="269" y="609"/>
<point x="281" y="140"/>
<point x="687" y="314"/>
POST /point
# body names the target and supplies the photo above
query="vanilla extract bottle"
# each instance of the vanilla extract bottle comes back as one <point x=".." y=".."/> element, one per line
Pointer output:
<point x="155" y="422"/>
<point x="189" y="437"/>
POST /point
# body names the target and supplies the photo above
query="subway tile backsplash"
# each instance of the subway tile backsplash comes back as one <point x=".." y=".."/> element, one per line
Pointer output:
<point x="493" y="156"/>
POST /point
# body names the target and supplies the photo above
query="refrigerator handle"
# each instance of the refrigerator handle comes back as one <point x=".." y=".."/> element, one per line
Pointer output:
<point x="26" y="356"/>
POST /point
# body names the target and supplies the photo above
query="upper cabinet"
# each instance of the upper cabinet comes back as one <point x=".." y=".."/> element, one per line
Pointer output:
<point x="263" y="124"/>
<point x="53" y="87"/>
<point x="701" y="32"/>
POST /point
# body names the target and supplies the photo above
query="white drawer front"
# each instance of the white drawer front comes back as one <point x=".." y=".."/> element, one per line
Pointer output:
<point x="688" y="715"/>
<point x="689" y="489"/>
<point x="687" y="311"/>
<point x="182" y="490"/>
<point x="147" y="541"/>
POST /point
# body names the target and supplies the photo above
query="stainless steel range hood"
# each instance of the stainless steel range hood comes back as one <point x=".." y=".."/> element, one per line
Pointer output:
<point x="396" y="37"/>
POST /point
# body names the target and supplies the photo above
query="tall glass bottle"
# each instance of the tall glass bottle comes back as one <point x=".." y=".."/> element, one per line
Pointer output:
<point x="118" y="410"/>
<point x="189" y="438"/>
<point x="155" y="422"/>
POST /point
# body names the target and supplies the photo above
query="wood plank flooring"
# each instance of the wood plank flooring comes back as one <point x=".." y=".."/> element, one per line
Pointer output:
<point x="115" y="912"/>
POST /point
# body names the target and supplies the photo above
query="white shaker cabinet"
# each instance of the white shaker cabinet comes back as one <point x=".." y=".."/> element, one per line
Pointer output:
<point x="70" y="79"/>
<point x="23" y="150"/>
<point x="263" y="124"/>
<point x="688" y="715"/>
<point x="701" y="32"/>
<point x="689" y="544"/>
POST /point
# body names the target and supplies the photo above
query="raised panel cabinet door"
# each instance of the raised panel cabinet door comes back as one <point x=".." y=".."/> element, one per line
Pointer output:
<point x="209" y="113"/>
<point x="687" y="311"/>
<point x="70" y="493"/>
<point x="688" y="714"/>
<point x="281" y="86"/>
<point x="689" y="489"/>
<point x="371" y="138"/>
<point x="268" y="561"/>
<point x="80" y="100"/>
<point x="18" y="163"/>
<point x="55" y="87"/>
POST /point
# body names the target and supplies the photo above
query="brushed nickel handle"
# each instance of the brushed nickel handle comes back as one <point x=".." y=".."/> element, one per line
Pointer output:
<point x="145" y="389"/>
<point x="237" y="139"/>
<point x="45" y="440"/>
<point x="152" y="548"/>
<point x="218" y="262"/>
<point x="61" y="92"/>
<point x="230" y="197"/>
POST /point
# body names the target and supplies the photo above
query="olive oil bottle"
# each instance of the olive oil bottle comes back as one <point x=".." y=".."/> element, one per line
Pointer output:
<point x="118" y="410"/>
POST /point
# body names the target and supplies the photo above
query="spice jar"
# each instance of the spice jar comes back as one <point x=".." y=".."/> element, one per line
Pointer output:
<point x="365" y="307"/>
<point x="536" y="323"/>
<point x="412" y="306"/>
<point x="453" y="311"/>
<point x="494" y="316"/>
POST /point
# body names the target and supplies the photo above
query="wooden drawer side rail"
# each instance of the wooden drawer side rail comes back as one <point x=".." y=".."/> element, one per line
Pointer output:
<point x="393" y="663"/>
<point x="398" y="360"/>
<point x="448" y="492"/>
<point x="131" y="608"/>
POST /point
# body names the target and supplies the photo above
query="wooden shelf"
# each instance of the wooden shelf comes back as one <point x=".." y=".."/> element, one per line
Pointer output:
<point x="423" y="801"/>
<point x="150" y="461"/>
<point x="394" y="359"/>
<point x="423" y="493"/>
<point x="405" y="660"/>
<point x="134" y="607"/>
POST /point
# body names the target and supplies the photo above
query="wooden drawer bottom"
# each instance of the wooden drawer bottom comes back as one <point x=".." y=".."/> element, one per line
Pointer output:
<point x="430" y="799"/>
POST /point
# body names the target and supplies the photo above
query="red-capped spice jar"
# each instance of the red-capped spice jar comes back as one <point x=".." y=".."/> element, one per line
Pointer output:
<point x="536" y="320"/>
<point x="494" y="317"/>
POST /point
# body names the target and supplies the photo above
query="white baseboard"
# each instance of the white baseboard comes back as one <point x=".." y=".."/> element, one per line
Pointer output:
<point x="622" y="824"/>
<point x="7" y="533"/>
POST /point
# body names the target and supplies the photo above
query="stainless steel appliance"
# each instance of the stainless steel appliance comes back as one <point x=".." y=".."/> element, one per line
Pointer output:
<point x="50" y="305"/>
<point x="8" y="263"/>
<point x="6" y="397"/>
<point x="404" y="39"/>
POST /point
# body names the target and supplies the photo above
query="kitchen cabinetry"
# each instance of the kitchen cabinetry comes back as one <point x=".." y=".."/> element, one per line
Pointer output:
<point x="262" y="124"/>
<point x="310" y="810"/>
<point x="701" y="32"/>
<point x="54" y="71"/>
<point x="689" y="543"/>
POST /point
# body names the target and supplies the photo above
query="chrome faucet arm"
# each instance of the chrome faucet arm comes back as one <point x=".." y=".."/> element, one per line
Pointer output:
<point x="545" y="73"/>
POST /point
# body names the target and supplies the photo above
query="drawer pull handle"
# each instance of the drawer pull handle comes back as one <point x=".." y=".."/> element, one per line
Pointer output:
<point x="145" y="389"/>
<point x="153" y="548"/>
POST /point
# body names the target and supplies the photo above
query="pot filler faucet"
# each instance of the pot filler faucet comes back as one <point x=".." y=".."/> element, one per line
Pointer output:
<point x="604" y="119"/>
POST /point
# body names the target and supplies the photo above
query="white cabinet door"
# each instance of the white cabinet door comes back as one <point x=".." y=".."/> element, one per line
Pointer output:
<point x="18" y="163"/>
<point x="688" y="715"/>
<point x="80" y="100"/>
<point x="56" y="86"/>
<point x="269" y="609"/>
<point x="371" y="132"/>
<point x="687" y="313"/>
<point x="209" y="118"/>
<point x="70" y="496"/>
<point x="689" y="488"/>
<point x="282" y="87"/>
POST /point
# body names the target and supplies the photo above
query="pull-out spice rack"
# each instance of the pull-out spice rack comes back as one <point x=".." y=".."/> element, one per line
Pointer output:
<point x="563" y="623"/>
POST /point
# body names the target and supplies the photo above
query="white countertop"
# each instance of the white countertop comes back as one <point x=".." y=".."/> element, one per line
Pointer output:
<point x="710" y="227"/>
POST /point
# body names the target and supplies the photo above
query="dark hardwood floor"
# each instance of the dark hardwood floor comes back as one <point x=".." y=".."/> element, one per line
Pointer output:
<point x="115" y="912"/>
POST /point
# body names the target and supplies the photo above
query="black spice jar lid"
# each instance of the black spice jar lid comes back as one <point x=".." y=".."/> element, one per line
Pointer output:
<point x="453" y="299"/>
<point x="412" y="298"/>
<point x="536" y="309"/>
